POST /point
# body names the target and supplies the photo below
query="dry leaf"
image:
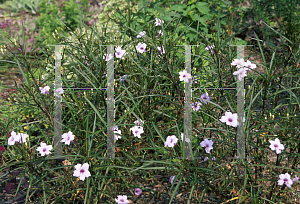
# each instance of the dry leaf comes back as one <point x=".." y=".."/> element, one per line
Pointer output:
<point x="228" y="166"/>
<point x="178" y="195"/>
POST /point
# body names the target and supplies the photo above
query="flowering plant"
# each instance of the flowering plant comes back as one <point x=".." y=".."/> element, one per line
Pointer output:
<point x="148" y="129"/>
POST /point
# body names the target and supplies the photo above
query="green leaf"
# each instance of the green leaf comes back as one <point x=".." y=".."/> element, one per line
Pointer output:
<point x="195" y="17"/>
<point x="157" y="6"/>
<point x="168" y="16"/>
<point x="205" y="30"/>
<point x="186" y="11"/>
<point x="141" y="4"/>
<point x="191" y="14"/>
<point x="190" y="36"/>
<point x="202" y="21"/>
<point x="240" y="41"/>
<point x="227" y="2"/>
<point x="203" y="7"/>
<point x="178" y="7"/>
<point x="223" y="22"/>
<point x="191" y="2"/>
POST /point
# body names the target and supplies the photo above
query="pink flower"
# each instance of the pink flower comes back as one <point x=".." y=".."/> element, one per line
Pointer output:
<point x="119" y="52"/>
<point x="137" y="131"/>
<point x="205" y="97"/>
<point x="238" y="62"/>
<point x="2" y="148"/>
<point x="186" y="138"/>
<point x="285" y="179"/>
<point x="82" y="171"/>
<point x="171" y="141"/>
<point x="207" y="144"/>
<point x="13" y="138"/>
<point x="4" y="119"/>
<point x="276" y="145"/>
<point x="241" y="73"/>
<point x="194" y="80"/>
<point x="294" y="180"/>
<point x="67" y="138"/>
<point x="115" y="128"/>
<point x="158" y="22"/>
<point x="138" y="122"/>
<point x="23" y="137"/>
<point x="210" y="48"/>
<point x="184" y="76"/>
<point x="122" y="199"/>
<point x="230" y="119"/>
<point x="161" y="51"/>
<point x="137" y="191"/>
<point x="117" y="135"/>
<point x="44" y="90"/>
<point x="160" y="33"/>
<point x="44" y="149"/>
<point x="124" y="78"/>
<point x="196" y="106"/>
<point x="172" y="179"/>
<point x="141" y="34"/>
<point x="107" y="58"/>
<point x="90" y="22"/>
<point x="59" y="91"/>
<point x="141" y="48"/>
<point x="206" y="158"/>
<point x="248" y="64"/>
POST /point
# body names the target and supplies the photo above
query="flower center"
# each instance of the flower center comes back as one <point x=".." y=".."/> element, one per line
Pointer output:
<point x="44" y="150"/>
<point x="171" y="140"/>
<point x="68" y="138"/>
<point x="230" y="120"/>
<point x="285" y="180"/>
<point x="82" y="171"/>
<point x="12" y="139"/>
<point x="183" y="75"/>
<point x="142" y="48"/>
<point x="136" y="132"/>
<point x="122" y="200"/>
<point x="207" y="145"/>
<point x="275" y="145"/>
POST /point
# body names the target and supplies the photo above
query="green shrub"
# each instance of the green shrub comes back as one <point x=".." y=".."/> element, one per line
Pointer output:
<point x="21" y="5"/>
<point x="50" y="17"/>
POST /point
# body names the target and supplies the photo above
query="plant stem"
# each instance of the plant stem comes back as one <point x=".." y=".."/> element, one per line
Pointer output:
<point x="232" y="14"/>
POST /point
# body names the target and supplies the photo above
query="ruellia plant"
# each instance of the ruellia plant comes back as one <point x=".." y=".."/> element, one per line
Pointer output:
<point x="150" y="79"/>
